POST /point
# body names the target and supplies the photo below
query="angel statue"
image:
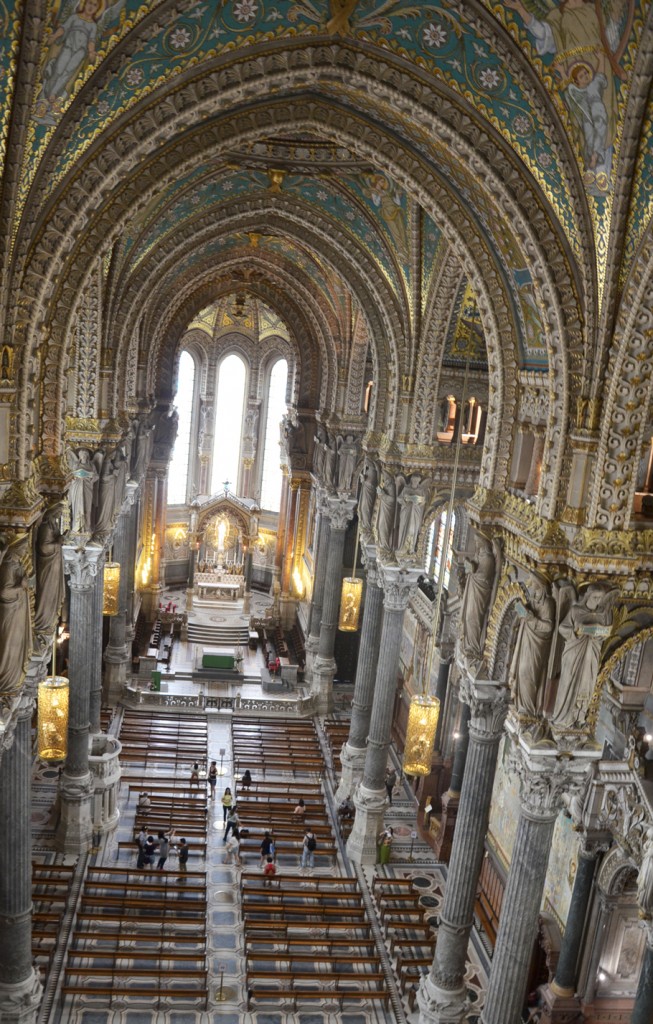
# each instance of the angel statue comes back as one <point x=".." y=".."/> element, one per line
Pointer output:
<point x="385" y="520"/>
<point x="479" y="584"/>
<point x="80" y="492"/>
<point x="584" y="629"/>
<point x="645" y="878"/>
<point x="367" y="494"/>
<point x="411" y="499"/>
<point x="50" y="585"/>
<point x="528" y="669"/>
<point x="106" y="507"/>
<point x="81" y="25"/>
<point x="347" y="456"/>
<point x="15" y="620"/>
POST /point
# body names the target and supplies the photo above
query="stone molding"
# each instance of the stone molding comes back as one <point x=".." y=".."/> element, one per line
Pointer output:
<point x="340" y="512"/>
<point x="489" y="703"/>
<point x="398" y="586"/>
<point x="82" y="565"/>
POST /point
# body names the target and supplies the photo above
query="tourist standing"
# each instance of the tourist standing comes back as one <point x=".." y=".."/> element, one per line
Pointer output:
<point x="308" y="851"/>
<point x="213" y="778"/>
<point x="227" y="802"/>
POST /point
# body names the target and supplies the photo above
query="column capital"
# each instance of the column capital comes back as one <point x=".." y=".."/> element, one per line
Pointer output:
<point x="398" y="586"/>
<point x="488" y="702"/>
<point x="340" y="511"/>
<point x="547" y="781"/>
<point x="82" y="565"/>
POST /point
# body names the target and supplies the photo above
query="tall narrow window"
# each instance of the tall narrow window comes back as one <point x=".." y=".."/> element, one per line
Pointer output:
<point x="178" y="472"/>
<point x="435" y="545"/>
<point x="272" y="476"/>
<point x="228" y="424"/>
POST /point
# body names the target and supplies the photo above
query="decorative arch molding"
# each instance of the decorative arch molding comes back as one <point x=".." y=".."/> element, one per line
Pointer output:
<point x="613" y="873"/>
<point x="107" y="165"/>
<point x="360" y="345"/>
<point x="213" y="506"/>
<point x="628" y="401"/>
<point x="502" y="627"/>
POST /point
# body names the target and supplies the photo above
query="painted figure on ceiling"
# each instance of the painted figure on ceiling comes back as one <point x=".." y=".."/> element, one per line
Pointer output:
<point x="586" y="39"/>
<point x="81" y="24"/>
<point x="387" y="200"/>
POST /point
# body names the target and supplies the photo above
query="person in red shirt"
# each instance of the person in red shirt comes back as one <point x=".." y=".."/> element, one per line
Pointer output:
<point x="269" y="871"/>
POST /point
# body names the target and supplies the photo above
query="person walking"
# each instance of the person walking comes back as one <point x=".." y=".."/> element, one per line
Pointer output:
<point x="232" y="851"/>
<point x="390" y="782"/>
<point x="195" y="775"/>
<point x="183" y="856"/>
<point x="164" y="848"/>
<point x="308" y="851"/>
<point x="269" y="871"/>
<point x="233" y="821"/>
<point x="227" y="802"/>
<point x="213" y="778"/>
<point x="148" y="850"/>
<point x="267" y="848"/>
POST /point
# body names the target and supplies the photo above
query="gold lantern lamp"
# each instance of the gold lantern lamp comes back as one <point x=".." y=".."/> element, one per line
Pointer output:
<point x="53" y="695"/>
<point x="423" y="717"/>
<point x="111" y="588"/>
<point x="350" y="598"/>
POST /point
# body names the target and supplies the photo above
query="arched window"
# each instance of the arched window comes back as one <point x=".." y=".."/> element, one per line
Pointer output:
<point x="229" y="404"/>
<point x="447" y="422"/>
<point x="178" y="472"/>
<point x="272" y="476"/>
<point x="435" y="545"/>
<point x="471" y="421"/>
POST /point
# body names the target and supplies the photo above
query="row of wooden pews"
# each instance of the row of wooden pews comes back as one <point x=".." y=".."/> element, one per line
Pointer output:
<point x="404" y="922"/>
<point x="267" y="746"/>
<point x="140" y="934"/>
<point x="50" y="892"/>
<point x="337" y="733"/>
<point x="309" y="940"/>
<point x="150" y="738"/>
<point x="269" y="806"/>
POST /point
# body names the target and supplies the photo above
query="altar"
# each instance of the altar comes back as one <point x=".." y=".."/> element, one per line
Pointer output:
<point x="219" y="584"/>
<point x="222" y="529"/>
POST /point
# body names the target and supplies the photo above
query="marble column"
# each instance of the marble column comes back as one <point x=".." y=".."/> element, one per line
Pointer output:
<point x="130" y="566"/>
<point x="545" y="777"/>
<point x="247" y="576"/>
<point x="74" y="831"/>
<point x="560" y="1004"/>
<point x="20" y="986"/>
<point x="117" y="655"/>
<point x="95" y="653"/>
<point x="442" y="994"/>
<point x="643" y="1008"/>
<point x="322" y="531"/>
<point x="369" y="798"/>
<point x="340" y="511"/>
<point x="352" y="755"/>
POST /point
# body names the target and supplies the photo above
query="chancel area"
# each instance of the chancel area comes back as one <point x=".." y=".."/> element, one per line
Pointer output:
<point x="326" y="512"/>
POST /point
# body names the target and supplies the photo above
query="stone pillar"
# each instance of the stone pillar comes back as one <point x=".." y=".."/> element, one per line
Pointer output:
<point x="322" y="531"/>
<point x="130" y="567"/>
<point x="442" y="994"/>
<point x="74" y="831"/>
<point x="281" y="527"/>
<point x="369" y="799"/>
<point x="20" y="987"/>
<point x="443" y="843"/>
<point x="643" y="1008"/>
<point x="545" y="778"/>
<point x="247" y="575"/>
<point x="117" y="655"/>
<point x="95" y="653"/>
<point x="560" y="1004"/>
<point x="352" y="755"/>
<point x="341" y="511"/>
<point x="288" y="603"/>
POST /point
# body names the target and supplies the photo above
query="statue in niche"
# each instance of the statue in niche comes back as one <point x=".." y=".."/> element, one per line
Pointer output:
<point x="320" y="439"/>
<point x="347" y="456"/>
<point x="15" y="620"/>
<point x="81" y="490"/>
<point x="330" y="462"/>
<point x="645" y="878"/>
<point x="584" y="629"/>
<point x="480" y="575"/>
<point x="144" y="444"/>
<point x="411" y="499"/>
<point x="385" y="520"/>
<point x="528" y="669"/>
<point x="106" y="505"/>
<point x="121" y="464"/>
<point x="50" y="584"/>
<point x="367" y="495"/>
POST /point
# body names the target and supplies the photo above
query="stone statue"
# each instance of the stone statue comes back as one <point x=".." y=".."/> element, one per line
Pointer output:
<point x="584" y="628"/>
<point x="122" y="467"/>
<point x="50" y="584"/>
<point x="347" y="456"/>
<point x="81" y="490"/>
<point x="367" y="494"/>
<point x="528" y="668"/>
<point x="476" y="600"/>
<point x="385" y="521"/>
<point x="144" y="443"/>
<point x="107" y="493"/>
<point x="330" y="461"/>
<point x="15" y="621"/>
<point x="320" y="440"/>
<point x="251" y="423"/>
<point x="411" y="500"/>
<point x="645" y="877"/>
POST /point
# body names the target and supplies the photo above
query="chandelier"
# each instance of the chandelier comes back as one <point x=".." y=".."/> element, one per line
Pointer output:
<point x="350" y="597"/>
<point x="111" y="587"/>
<point x="53" y="718"/>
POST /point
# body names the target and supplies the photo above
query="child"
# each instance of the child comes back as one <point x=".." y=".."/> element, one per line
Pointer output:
<point x="269" y="871"/>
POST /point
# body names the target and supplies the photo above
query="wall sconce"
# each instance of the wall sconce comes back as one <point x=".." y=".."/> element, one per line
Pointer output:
<point x="423" y="717"/>
<point x="53" y="695"/>
<point x="111" y="587"/>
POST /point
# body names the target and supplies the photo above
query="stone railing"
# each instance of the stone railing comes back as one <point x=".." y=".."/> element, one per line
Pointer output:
<point x="104" y="765"/>
<point x="299" y="707"/>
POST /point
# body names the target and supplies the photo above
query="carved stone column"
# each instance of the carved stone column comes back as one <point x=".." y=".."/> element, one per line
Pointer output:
<point x="643" y="1008"/>
<point x="545" y="778"/>
<point x="352" y="755"/>
<point x="130" y="568"/>
<point x="369" y="799"/>
<point x="95" y="653"/>
<point x="442" y="994"/>
<point x="20" y="987"/>
<point x="340" y="511"/>
<point x="281" y="525"/>
<point x="322" y="531"/>
<point x="560" y="1004"/>
<point x="534" y="473"/>
<point x="74" y="831"/>
<point x="117" y="654"/>
<point x="288" y="601"/>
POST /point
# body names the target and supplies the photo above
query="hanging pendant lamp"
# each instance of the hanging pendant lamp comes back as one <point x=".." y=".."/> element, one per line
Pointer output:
<point x="111" y="587"/>
<point x="350" y="597"/>
<point x="53" y="695"/>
